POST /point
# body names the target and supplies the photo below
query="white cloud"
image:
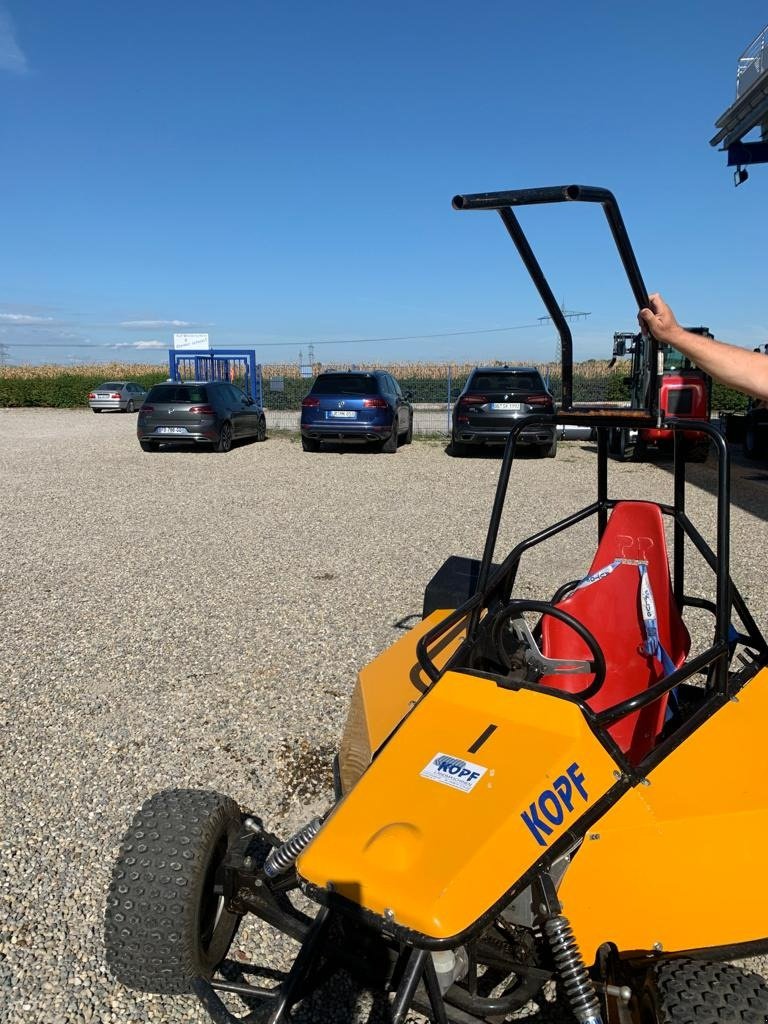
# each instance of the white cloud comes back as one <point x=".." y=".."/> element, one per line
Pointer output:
<point x="140" y="344"/>
<point x="25" y="319"/>
<point x="156" y="323"/>
<point x="11" y="56"/>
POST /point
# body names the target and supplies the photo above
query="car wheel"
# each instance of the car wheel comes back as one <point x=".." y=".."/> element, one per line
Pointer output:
<point x="409" y="432"/>
<point x="457" y="448"/>
<point x="96" y="410"/>
<point x="310" y="444"/>
<point x="753" y="449"/>
<point x="130" y="407"/>
<point x="697" y="452"/>
<point x="165" y="925"/>
<point x="698" y="992"/>
<point x="148" y="446"/>
<point x="261" y="430"/>
<point x="549" y="451"/>
<point x="225" y="438"/>
<point x="390" y="445"/>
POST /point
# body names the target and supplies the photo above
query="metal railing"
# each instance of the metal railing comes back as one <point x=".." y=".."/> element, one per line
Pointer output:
<point x="752" y="63"/>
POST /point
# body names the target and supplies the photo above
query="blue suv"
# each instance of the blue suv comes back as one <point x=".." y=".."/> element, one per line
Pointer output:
<point x="353" y="405"/>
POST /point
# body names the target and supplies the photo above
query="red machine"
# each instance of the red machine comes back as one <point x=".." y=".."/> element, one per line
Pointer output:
<point x="685" y="392"/>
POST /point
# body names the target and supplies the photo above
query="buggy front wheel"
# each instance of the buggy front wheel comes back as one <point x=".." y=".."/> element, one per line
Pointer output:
<point x="165" y="925"/>
<point x="698" y="992"/>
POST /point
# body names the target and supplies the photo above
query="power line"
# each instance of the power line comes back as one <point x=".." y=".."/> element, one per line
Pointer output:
<point x="292" y="344"/>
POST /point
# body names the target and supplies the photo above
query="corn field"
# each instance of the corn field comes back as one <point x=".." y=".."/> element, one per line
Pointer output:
<point x="434" y="386"/>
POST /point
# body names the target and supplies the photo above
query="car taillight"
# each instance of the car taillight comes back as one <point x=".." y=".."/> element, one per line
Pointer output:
<point x="91" y="396"/>
<point x="310" y="403"/>
<point x="539" y="400"/>
<point x="375" y="403"/>
<point x="204" y="410"/>
<point x="116" y="394"/>
<point x="473" y="400"/>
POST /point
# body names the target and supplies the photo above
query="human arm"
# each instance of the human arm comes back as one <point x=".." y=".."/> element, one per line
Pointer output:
<point x="733" y="366"/>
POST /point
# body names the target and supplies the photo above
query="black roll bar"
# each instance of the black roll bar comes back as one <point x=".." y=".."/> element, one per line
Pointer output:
<point x="503" y="202"/>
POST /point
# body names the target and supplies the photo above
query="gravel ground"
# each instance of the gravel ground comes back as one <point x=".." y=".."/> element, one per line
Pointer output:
<point x="190" y="619"/>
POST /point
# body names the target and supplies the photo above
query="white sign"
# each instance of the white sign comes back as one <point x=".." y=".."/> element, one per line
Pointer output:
<point x="454" y="772"/>
<point x="186" y="341"/>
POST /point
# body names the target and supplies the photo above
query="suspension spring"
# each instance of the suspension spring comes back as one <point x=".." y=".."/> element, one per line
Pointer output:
<point x="282" y="857"/>
<point x="573" y="972"/>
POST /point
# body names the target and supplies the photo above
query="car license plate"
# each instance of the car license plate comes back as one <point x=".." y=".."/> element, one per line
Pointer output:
<point x="102" y="397"/>
<point x="343" y="414"/>
<point x="171" y="430"/>
<point x="507" y="406"/>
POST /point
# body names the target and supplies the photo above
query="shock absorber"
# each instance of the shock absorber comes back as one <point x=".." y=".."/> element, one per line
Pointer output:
<point x="282" y="857"/>
<point x="573" y="972"/>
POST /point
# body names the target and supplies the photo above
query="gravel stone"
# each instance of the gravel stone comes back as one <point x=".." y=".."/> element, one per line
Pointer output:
<point x="197" y="620"/>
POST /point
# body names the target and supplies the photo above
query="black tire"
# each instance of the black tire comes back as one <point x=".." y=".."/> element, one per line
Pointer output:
<point x="698" y="452"/>
<point x="130" y="407"/>
<point x="164" y="926"/>
<point x="701" y="992"/>
<point x="390" y="445"/>
<point x="261" y="430"/>
<point x="224" y="444"/>
<point x="637" y="452"/>
<point x="310" y="444"/>
<point x="148" y="446"/>
<point x="97" y="410"/>
<point x="457" y="448"/>
<point x="409" y="432"/>
<point x="753" y="449"/>
<point x="549" y="451"/>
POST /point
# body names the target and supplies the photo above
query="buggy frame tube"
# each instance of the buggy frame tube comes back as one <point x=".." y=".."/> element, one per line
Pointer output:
<point x="727" y="595"/>
<point x="502" y="201"/>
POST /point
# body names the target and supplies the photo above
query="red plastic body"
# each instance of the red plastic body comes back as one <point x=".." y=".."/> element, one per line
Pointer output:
<point x="683" y="394"/>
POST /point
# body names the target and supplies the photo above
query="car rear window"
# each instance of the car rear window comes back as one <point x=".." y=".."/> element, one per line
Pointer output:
<point x="345" y="384"/>
<point x="110" y="384"/>
<point x="531" y="382"/>
<point x="182" y="393"/>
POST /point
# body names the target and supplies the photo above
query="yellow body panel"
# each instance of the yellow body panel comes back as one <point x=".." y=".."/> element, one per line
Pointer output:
<point x="681" y="862"/>
<point x="436" y="856"/>
<point x="386" y="690"/>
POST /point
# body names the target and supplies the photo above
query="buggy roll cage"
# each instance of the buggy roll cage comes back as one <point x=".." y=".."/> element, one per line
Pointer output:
<point x="497" y="586"/>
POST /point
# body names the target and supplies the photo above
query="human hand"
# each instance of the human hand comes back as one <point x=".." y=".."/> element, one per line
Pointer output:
<point x="659" y="319"/>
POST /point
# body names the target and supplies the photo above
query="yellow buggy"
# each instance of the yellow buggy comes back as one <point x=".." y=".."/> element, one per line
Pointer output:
<point x="531" y="795"/>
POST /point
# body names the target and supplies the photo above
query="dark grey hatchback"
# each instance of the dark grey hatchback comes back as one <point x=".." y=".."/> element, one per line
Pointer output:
<point x="212" y="413"/>
<point x="493" y="400"/>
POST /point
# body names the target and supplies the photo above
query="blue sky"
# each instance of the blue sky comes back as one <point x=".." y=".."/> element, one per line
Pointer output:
<point x="281" y="173"/>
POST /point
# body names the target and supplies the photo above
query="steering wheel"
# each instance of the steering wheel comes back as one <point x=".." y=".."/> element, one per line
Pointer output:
<point x="526" y="655"/>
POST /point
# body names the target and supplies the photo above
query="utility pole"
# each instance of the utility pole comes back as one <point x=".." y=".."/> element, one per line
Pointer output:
<point x="568" y="314"/>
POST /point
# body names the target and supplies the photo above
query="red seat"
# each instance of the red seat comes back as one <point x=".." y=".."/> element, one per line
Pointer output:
<point x="610" y="609"/>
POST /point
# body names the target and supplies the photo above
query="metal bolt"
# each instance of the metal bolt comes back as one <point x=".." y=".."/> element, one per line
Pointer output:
<point x="389" y="914"/>
<point x="248" y="863"/>
<point x="658" y="947"/>
<point x="645" y="782"/>
<point x="594" y="835"/>
<point x="252" y="824"/>
<point x="616" y="773"/>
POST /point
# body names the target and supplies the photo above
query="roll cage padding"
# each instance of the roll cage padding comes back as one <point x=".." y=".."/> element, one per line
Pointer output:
<point x="610" y="609"/>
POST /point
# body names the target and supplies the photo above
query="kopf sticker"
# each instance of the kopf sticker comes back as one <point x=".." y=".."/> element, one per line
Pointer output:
<point x="454" y="772"/>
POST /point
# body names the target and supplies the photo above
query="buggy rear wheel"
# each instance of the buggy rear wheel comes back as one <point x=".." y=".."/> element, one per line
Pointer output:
<point x="702" y="992"/>
<point x="164" y="924"/>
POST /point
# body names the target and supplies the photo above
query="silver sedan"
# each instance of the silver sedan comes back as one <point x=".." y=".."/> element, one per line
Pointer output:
<point x="117" y="395"/>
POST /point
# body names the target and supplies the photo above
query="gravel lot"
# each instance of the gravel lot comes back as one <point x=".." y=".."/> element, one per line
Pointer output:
<point x="189" y="619"/>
